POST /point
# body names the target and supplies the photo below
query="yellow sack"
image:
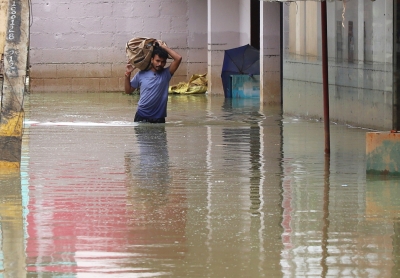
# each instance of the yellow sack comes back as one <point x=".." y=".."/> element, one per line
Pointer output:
<point x="196" y="85"/>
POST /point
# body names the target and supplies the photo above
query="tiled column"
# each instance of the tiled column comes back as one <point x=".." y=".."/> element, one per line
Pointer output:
<point x="228" y="27"/>
<point x="270" y="53"/>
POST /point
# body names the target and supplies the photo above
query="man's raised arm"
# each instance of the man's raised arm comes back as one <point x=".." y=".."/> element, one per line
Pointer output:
<point x="176" y="59"/>
<point x="128" y="87"/>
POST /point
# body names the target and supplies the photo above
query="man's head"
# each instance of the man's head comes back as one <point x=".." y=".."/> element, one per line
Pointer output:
<point x="159" y="58"/>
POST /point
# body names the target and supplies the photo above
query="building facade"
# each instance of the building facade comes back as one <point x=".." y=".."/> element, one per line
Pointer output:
<point x="361" y="61"/>
<point x="80" y="46"/>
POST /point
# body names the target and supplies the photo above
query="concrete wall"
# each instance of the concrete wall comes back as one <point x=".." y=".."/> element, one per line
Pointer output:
<point x="228" y="27"/>
<point x="360" y="62"/>
<point x="197" y="37"/>
<point x="79" y="45"/>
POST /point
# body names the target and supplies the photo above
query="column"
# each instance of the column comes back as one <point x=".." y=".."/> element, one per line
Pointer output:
<point x="225" y="20"/>
<point x="13" y="89"/>
<point x="270" y="53"/>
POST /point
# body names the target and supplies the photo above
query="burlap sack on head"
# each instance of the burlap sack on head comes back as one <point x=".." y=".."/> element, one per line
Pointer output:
<point x="139" y="50"/>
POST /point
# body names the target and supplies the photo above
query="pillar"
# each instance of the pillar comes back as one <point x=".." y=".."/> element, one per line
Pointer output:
<point x="197" y="37"/>
<point x="228" y="27"/>
<point x="16" y="44"/>
<point x="270" y="53"/>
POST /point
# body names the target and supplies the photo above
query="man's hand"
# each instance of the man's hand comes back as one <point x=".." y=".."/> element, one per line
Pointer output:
<point x="176" y="59"/>
<point x="129" y="69"/>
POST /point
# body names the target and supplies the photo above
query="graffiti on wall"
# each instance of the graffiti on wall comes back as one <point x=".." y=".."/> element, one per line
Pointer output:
<point x="13" y="36"/>
<point x="14" y="21"/>
<point x="12" y="61"/>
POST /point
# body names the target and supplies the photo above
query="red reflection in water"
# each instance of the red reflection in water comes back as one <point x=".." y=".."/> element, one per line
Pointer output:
<point x="90" y="215"/>
<point x="70" y="213"/>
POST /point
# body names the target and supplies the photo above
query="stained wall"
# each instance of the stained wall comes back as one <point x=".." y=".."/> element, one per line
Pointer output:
<point x="80" y="45"/>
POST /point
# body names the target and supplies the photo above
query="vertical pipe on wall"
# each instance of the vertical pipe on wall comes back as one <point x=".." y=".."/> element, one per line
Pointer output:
<point x="396" y="77"/>
<point x="325" y="77"/>
<point x="281" y="53"/>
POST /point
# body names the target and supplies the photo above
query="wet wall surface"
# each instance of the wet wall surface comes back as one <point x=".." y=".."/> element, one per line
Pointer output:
<point x="223" y="189"/>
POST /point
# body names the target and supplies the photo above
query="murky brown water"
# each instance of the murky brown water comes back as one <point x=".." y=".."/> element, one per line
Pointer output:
<point x="221" y="190"/>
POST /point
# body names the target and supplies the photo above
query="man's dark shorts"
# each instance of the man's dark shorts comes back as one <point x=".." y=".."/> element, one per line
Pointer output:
<point x="147" y="120"/>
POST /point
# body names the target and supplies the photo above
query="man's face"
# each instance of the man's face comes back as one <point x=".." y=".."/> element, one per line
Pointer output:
<point x="158" y="63"/>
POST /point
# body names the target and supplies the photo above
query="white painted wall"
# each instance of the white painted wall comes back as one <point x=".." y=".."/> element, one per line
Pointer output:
<point x="226" y="23"/>
<point x="245" y="22"/>
<point x="197" y="37"/>
<point x="80" y="45"/>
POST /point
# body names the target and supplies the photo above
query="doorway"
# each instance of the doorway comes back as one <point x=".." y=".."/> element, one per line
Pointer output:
<point x="255" y="24"/>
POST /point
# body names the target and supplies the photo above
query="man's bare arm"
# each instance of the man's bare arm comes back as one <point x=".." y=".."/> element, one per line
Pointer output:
<point x="176" y="59"/>
<point x="128" y="88"/>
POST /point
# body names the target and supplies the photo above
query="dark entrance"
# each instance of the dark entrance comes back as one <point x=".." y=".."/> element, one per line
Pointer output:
<point x="255" y="24"/>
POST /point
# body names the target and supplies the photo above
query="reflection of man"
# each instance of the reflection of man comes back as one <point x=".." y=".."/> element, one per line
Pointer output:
<point x="153" y="161"/>
<point x="153" y="84"/>
<point x="158" y="206"/>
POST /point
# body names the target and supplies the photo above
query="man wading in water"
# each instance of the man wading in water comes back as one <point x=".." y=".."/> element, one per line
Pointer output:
<point x="153" y="84"/>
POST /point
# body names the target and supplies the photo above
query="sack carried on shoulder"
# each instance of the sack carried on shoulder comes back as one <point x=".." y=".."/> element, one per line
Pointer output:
<point x="139" y="50"/>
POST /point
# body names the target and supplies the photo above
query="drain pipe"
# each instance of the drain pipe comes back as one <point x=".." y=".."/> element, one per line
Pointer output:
<point x="325" y="77"/>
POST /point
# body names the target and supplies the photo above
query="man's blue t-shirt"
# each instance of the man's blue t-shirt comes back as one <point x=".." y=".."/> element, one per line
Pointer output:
<point x="153" y="92"/>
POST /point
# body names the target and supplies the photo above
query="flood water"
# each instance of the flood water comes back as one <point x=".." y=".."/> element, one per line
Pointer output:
<point x="223" y="189"/>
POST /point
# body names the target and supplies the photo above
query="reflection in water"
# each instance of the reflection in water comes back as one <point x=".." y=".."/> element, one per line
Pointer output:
<point x="224" y="189"/>
<point x="353" y="226"/>
<point x="12" y="241"/>
<point x="77" y="210"/>
<point x="153" y="159"/>
<point x="156" y="202"/>
<point x="396" y="248"/>
<point x="382" y="207"/>
<point x="325" y="219"/>
<point x="256" y="150"/>
<point x="249" y="142"/>
<point x="242" y="154"/>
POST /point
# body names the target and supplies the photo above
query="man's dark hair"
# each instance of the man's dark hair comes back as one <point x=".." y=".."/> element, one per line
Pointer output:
<point x="161" y="52"/>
